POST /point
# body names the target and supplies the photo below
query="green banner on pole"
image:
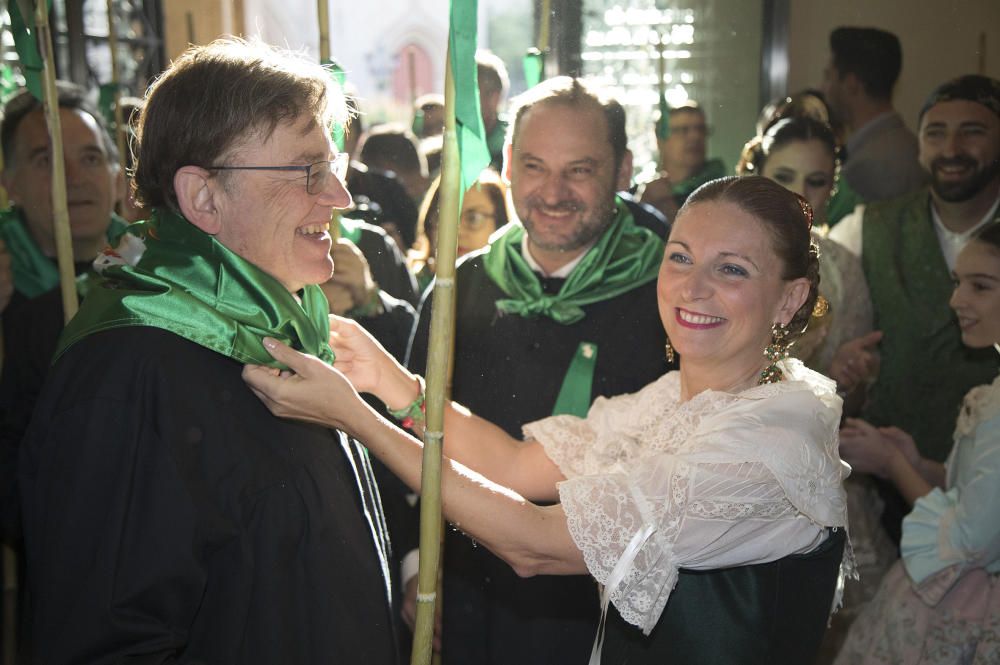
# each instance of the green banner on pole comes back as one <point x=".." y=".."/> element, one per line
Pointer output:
<point x="473" y="153"/>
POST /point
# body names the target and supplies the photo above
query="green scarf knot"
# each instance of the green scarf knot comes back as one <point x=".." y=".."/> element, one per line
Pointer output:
<point x="626" y="256"/>
<point x="168" y="274"/>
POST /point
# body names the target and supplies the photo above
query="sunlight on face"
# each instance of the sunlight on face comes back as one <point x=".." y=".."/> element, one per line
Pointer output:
<point x="720" y="287"/>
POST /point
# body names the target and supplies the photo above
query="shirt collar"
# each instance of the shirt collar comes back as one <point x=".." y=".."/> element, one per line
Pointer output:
<point x="951" y="242"/>
<point x="562" y="272"/>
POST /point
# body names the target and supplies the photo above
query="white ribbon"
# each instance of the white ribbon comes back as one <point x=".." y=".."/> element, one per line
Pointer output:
<point x="614" y="579"/>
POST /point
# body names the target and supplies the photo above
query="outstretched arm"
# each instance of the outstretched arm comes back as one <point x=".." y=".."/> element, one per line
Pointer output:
<point x="476" y="443"/>
<point x="531" y="538"/>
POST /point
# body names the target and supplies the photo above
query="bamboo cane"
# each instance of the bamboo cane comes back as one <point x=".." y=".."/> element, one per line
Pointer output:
<point x="116" y="81"/>
<point x="438" y="362"/>
<point x="543" y="28"/>
<point x="323" y="11"/>
<point x="60" y="211"/>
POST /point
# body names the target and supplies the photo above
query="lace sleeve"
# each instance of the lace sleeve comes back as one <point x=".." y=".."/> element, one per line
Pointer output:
<point x="703" y="516"/>
<point x="610" y="435"/>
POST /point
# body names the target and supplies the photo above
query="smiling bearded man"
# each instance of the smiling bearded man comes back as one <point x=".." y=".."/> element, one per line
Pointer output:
<point x="167" y="513"/>
<point x="558" y="310"/>
<point x="908" y="248"/>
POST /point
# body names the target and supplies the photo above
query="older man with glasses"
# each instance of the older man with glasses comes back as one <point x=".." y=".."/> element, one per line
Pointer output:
<point x="168" y="515"/>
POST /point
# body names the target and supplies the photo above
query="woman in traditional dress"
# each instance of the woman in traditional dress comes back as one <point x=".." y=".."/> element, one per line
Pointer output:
<point x="800" y="153"/>
<point x="709" y="504"/>
<point x="940" y="603"/>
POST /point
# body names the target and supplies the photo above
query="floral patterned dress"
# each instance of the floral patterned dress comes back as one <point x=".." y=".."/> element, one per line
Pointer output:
<point x="941" y="602"/>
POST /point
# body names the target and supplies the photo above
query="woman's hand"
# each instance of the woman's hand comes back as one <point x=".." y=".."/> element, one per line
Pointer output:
<point x="866" y="448"/>
<point x="368" y="366"/>
<point x="313" y="391"/>
<point x="904" y="443"/>
<point x="856" y="361"/>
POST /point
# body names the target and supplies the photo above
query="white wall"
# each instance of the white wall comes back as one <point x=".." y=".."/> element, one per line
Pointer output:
<point x="941" y="40"/>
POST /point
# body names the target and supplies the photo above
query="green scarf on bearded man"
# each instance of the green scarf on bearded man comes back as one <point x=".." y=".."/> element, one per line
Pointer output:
<point x="625" y="257"/>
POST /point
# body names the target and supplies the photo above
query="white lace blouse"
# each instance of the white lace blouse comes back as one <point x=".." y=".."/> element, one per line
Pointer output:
<point x="720" y="480"/>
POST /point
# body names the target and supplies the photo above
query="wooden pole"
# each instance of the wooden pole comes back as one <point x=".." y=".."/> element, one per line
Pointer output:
<point x="438" y="363"/>
<point x="60" y="211"/>
<point x="116" y="82"/>
<point x="543" y="28"/>
<point x="323" y="11"/>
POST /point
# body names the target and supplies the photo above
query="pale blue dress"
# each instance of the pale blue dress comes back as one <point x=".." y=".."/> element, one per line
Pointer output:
<point x="941" y="602"/>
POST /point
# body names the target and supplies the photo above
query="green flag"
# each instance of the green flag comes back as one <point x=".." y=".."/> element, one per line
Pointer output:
<point x="663" y="124"/>
<point x="473" y="153"/>
<point x="22" y="26"/>
<point x="340" y="77"/>
<point x="534" y="64"/>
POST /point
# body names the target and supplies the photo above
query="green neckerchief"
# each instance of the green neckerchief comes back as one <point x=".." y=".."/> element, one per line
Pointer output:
<point x="626" y="256"/>
<point x="712" y="169"/>
<point x="35" y="273"/>
<point x="191" y="285"/>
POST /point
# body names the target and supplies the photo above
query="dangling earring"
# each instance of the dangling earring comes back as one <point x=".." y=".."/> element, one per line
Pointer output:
<point x="776" y="351"/>
<point x="671" y="356"/>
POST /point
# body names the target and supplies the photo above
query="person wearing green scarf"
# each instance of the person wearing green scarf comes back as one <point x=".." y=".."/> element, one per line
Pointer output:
<point x="30" y="299"/>
<point x="559" y="309"/>
<point x="93" y="185"/>
<point x="684" y="165"/>
<point x="166" y="511"/>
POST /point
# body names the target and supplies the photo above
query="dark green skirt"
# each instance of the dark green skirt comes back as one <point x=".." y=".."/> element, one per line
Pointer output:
<point x="768" y="614"/>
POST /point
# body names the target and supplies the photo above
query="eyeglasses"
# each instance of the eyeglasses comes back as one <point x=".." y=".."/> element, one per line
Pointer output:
<point x="475" y="219"/>
<point x="317" y="173"/>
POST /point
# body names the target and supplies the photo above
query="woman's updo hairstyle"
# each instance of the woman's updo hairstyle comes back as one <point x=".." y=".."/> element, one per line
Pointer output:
<point x="782" y="132"/>
<point x="787" y="217"/>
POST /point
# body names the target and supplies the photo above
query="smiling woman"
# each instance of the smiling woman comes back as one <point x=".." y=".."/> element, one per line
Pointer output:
<point x="709" y="503"/>
<point x="940" y="601"/>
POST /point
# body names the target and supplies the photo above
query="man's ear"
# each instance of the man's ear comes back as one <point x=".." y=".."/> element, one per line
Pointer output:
<point x="624" y="173"/>
<point x="852" y="84"/>
<point x="196" y="197"/>
<point x="508" y="157"/>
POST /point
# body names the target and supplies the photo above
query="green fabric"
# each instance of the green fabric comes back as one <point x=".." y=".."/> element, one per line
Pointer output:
<point x="22" y="26"/>
<point x="713" y="169"/>
<point x="106" y="104"/>
<point x="533" y="63"/>
<point x="494" y="143"/>
<point x="626" y="256"/>
<point x="574" y="395"/>
<point x="8" y="84"/>
<point x="925" y="369"/>
<point x="191" y="285"/>
<point x="338" y="132"/>
<point x="663" y="124"/>
<point x="350" y="229"/>
<point x="473" y="154"/>
<point x="35" y="273"/>
<point x="842" y="203"/>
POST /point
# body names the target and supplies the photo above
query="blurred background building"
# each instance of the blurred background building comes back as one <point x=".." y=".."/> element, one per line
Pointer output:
<point x="730" y="55"/>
